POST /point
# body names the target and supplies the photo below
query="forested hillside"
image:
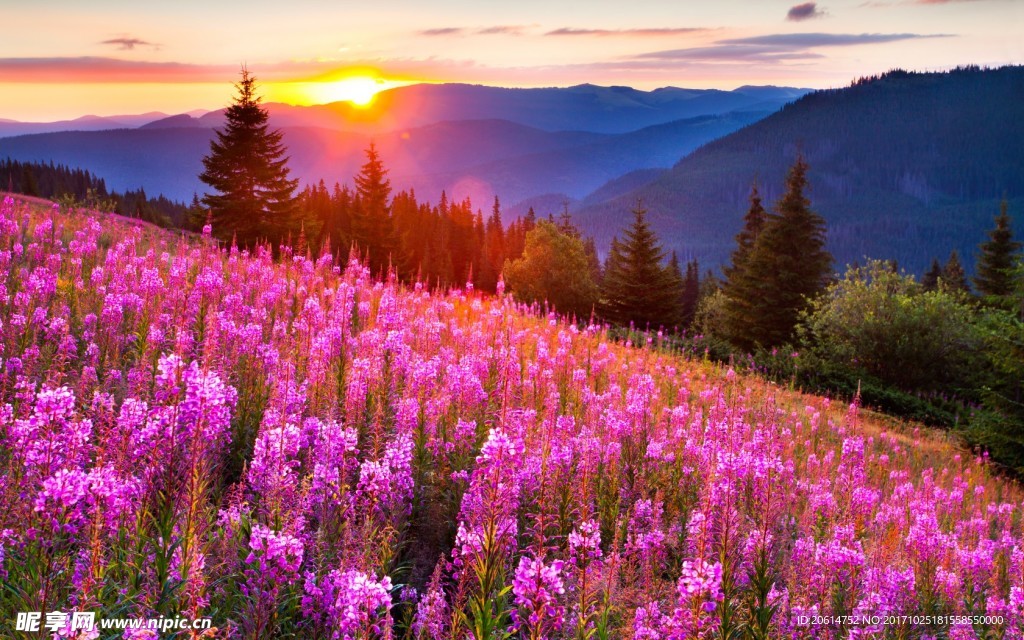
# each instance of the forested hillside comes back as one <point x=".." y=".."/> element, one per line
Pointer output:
<point x="905" y="166"/>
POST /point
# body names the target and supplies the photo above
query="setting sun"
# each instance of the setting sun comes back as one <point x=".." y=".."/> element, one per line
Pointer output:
<point x="358" y="90"/>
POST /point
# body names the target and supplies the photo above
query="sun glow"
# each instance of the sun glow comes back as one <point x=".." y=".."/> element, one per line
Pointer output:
<point x="357" y="89"/>
<point x="360" y="91"/>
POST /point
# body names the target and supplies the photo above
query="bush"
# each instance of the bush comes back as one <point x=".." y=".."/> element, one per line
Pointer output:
<point x="1001" y="436"/>
<point x="554" y="268"/>
<point x="881" y="323"/>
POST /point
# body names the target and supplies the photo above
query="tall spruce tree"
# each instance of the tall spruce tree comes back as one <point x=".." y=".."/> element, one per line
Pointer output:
<point x="753" y="223"/>
<point x="372" y="226"/>
<point x="691" y="292"/>
<point x="994" y="275"/>
<point x="675" y="272"/>
<point x="931" y="277"/>
<point x="787" y="265"/>
<point x="954" y="278"/>
<point x="740" y="313"/>
<point x="248" y="169"/>
<point x="637" y="288"/>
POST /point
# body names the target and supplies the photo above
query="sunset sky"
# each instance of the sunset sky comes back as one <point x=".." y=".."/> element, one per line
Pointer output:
<point x="66" y="58"/>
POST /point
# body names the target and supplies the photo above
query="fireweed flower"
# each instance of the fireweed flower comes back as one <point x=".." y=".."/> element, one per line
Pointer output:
<point x="53" y="436"/>
<point x="273" y="562"/>
<point x="700" y="582"/>
<point x="387" y="484"/>
<point x="585" y="543"/>
<point x="649" y="623"/>
<point x="538" y="588"/>
<point x="489" y="506"/>
<point x="350" y="604"/>
<point x="276" y="553"/>
<point x="645" y="536"/>
<point x="432" y="614"/>
<point x="272" y="473"/>
<point x="333" y="450"/>
<point x="61" y="500"/>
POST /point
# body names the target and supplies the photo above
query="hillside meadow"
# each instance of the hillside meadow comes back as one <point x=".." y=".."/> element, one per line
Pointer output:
<point x="293" y="448"/>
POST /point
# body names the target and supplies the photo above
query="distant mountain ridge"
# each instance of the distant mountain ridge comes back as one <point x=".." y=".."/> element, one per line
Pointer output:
<point x="904" y="166"/>
<point x="84" y="123"/>
<point x="580" y="108"/>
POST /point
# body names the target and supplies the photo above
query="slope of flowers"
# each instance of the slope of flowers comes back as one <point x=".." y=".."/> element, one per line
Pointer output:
<point x="296" y="450"/>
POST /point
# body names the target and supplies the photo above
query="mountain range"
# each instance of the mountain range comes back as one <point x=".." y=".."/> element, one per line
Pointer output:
<point x="472" y="141"/>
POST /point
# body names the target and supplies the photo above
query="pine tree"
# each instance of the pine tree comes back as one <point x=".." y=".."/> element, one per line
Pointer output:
<point x="494" y="242"/>
<point x="679" y="287"/>
<point x="593" y="260"/>
<point x="739" y="289"/>
<point x="994" y="274"/>
<point x="787" y="265"/>
<point x="691" y="292"/>
<point x="753" y="223"/>
<point x="636" y="287"/>
<point x="930" y="279"/>
<point x="954" y="278"/>
<point x="372" y="227"/>
<point x="247" y="167"/>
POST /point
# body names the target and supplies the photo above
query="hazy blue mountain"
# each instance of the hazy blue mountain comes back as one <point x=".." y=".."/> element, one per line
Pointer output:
<point x="622" y="185"/>
<point x="180" y="121"/>
<point x="905" y="166"/>
<point x="584" y="107"/>
<point x="474" y="158"/>
<point x="579" y="170"/>
<point x="85" y="123"/>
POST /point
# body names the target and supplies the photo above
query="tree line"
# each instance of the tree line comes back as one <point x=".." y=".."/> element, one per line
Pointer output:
<point x="78" y="187"/>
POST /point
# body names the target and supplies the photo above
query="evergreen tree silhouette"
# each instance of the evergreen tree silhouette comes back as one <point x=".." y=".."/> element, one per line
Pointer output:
<point x="930" y="279"/>
<point x="372" y="227"/>
<point x="636" y="287"/>
<point x="787" y="265"/>
<point x="739" y="313"/>
<point x="954" y="278"/>
<point x="247" y="168"/>
<point x="995" y="277"/>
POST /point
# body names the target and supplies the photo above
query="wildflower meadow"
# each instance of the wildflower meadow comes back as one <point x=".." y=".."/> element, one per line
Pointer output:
<point x="293" y="448"/>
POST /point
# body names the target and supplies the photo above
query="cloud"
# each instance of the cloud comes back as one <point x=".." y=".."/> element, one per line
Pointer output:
<point x="91" y="69"/>
<point x="127" y="44"/>
<point x="805" y="11"/>
<point x="808" y="40"/>
<point x="730" y="52"/>
<point x="499" y="29"/>
<point x="503" y="29"/>
<point x="653" y="31"/>
<point x="97" y="69"/>
<point x="774" y="48"/>
<point x="443" y="31"/>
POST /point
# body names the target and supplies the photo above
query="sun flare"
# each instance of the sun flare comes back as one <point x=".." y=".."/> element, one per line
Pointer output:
<point x="360" y="91"/>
